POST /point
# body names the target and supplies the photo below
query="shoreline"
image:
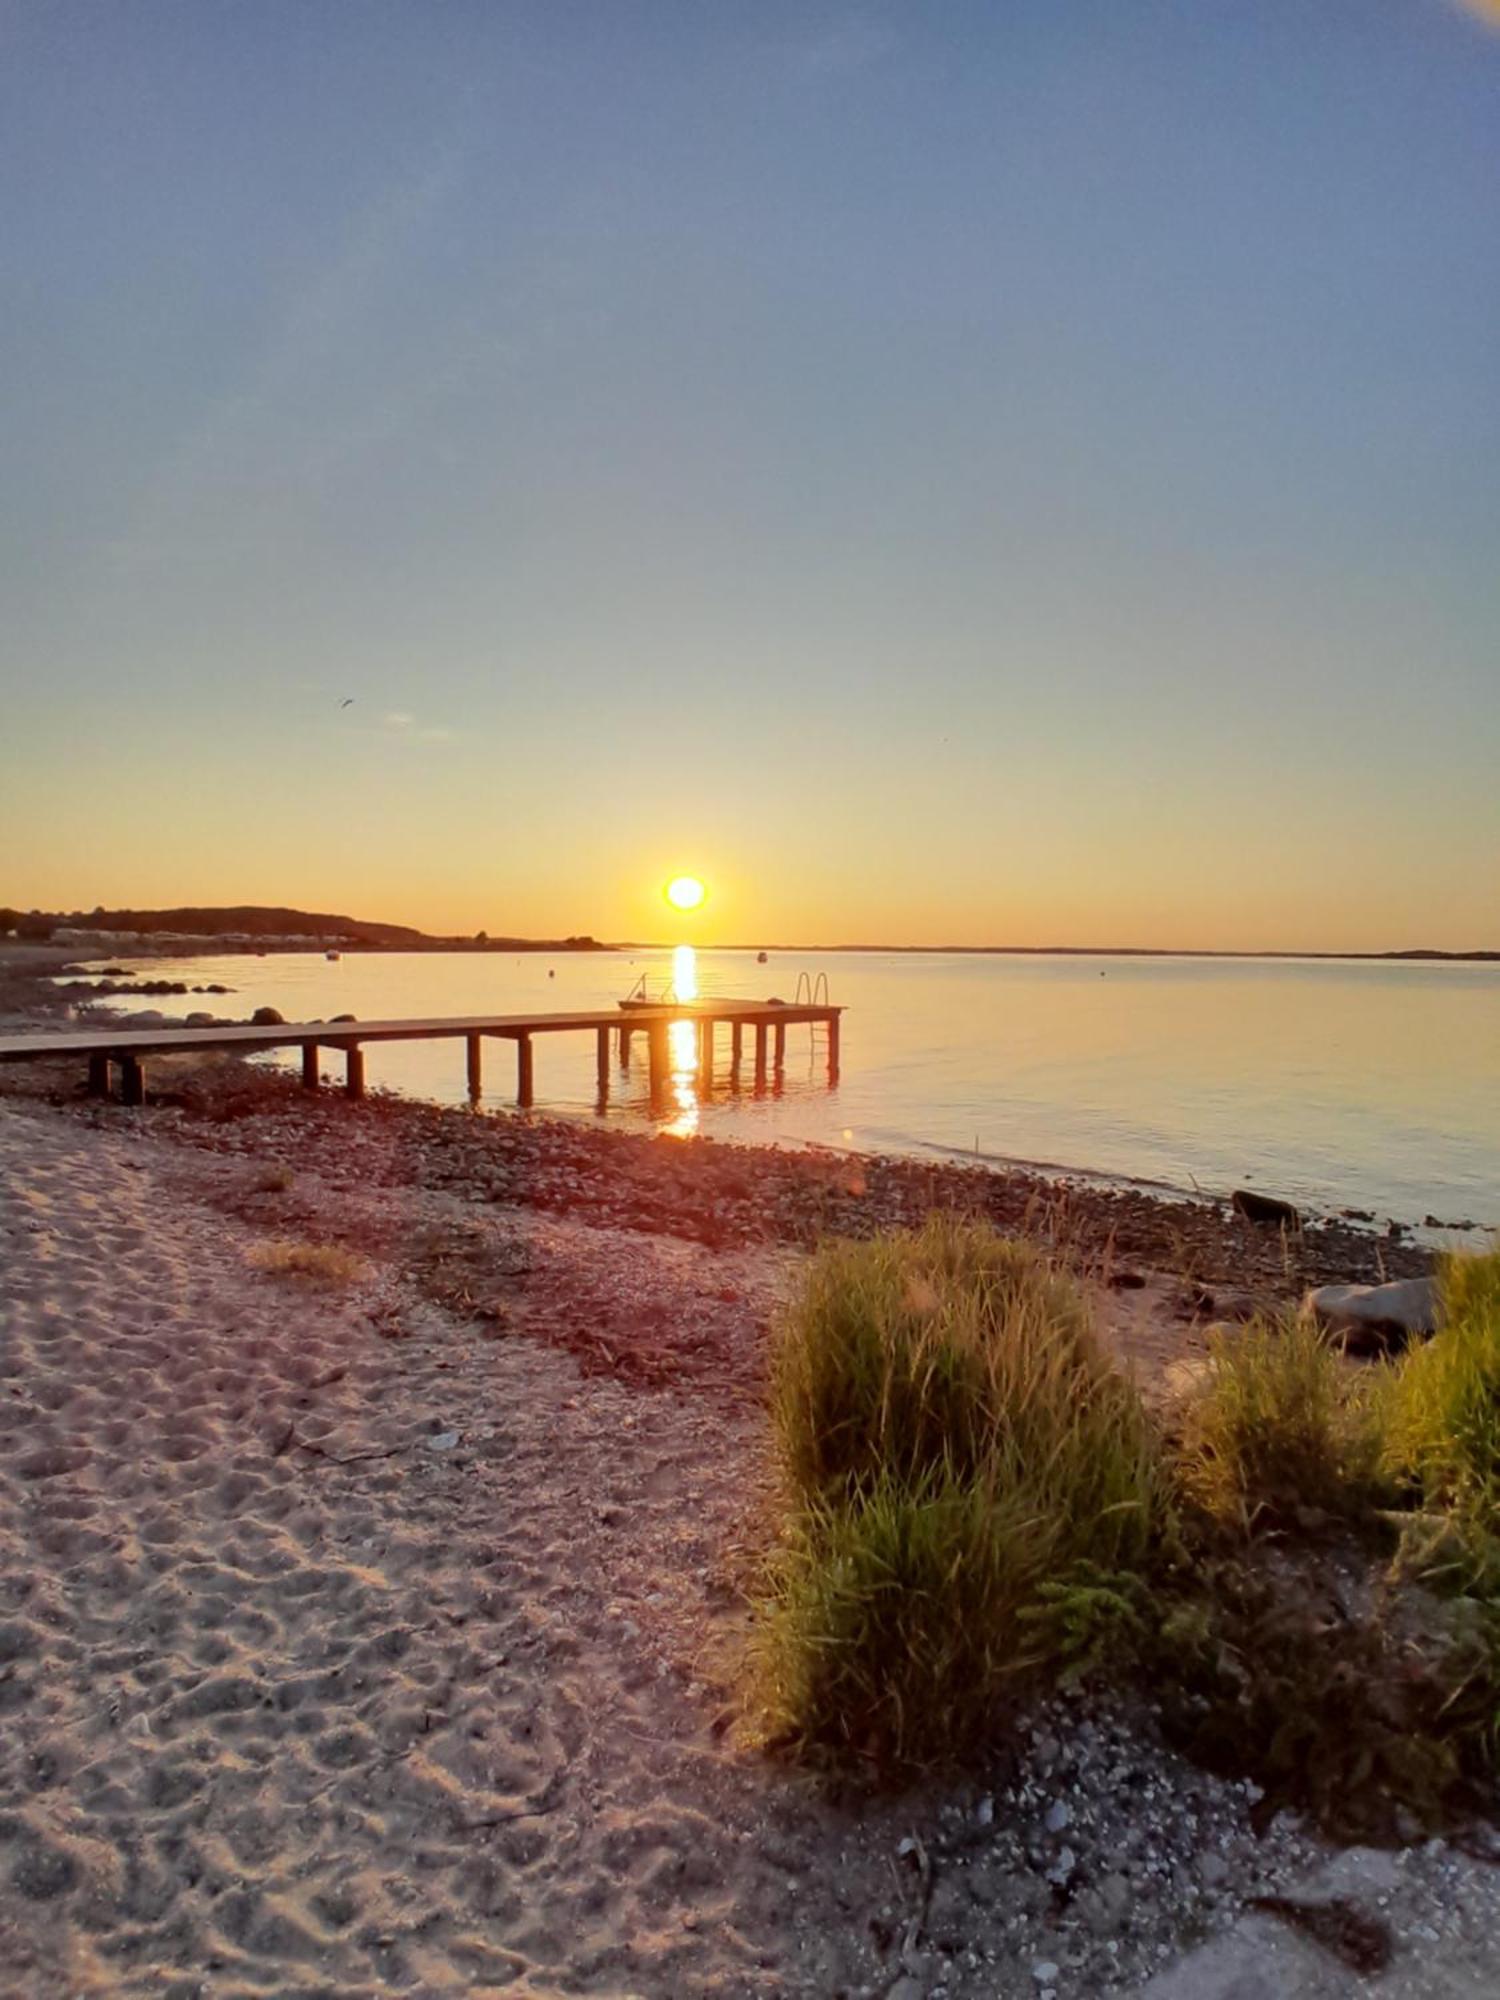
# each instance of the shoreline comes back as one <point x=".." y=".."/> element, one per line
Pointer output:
<point x="1107" y="1215"/>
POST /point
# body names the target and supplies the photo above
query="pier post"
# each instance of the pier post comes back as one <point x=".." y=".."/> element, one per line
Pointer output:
<point x="310" y="1066"/>
<point x="781" y="1045"/>
<point x="736" y="1043"/>
<point x="354" y="1070"/>
<point x="98" y="1076"/>
<point x="524" y="1072"/>
<point x="705" y="1055"/>
<point x="833" y="1048"/>
<point x="760" y="1055"/>
<point x="661" y="1067"/>
<point x="476" y="1068"/>
<point x="624" y="1048"/>
<point x="602" y="1068"/>
<point x="132" y="1080"/>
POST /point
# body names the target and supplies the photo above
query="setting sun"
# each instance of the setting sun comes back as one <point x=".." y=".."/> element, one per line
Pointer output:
<point x="685" y="892"/>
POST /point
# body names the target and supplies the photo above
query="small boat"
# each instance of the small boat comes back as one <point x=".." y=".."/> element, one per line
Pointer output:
<point x="331" y="954"/>
<point x="760" y="958"/>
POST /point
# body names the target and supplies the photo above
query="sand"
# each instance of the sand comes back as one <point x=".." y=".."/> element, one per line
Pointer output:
<point x="305" y="1693"/>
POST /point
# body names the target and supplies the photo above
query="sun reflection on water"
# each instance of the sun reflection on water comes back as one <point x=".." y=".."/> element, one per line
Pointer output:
<point x="682" y="1049"/>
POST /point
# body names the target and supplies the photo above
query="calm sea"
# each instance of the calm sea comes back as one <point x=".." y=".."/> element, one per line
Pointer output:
<point x="1337" y="1084"/>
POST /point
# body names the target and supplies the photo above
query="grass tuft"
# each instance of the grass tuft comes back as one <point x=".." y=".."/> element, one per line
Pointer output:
<point x="318" y="1263"/>
<point x="1443" y="1428"/>
<point x="1280" y="1425"/>
<point x="969" y="1477"/>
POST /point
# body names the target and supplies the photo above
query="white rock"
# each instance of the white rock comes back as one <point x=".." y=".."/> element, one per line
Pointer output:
<point x="1059" y="1816"/>
<point x="444" y="1441"/>
<point x="1407" y="1305"/>
<point x="1044" y="1972"/>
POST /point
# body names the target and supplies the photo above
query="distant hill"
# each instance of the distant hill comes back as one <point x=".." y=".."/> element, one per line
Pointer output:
<point x="254" y="920"/>
<point x="245" y="920"/>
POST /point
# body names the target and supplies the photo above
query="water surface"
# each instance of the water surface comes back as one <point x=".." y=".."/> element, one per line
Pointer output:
<point x="1373" y="1085"/>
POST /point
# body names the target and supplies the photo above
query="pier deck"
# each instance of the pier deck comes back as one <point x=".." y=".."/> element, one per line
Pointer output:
<point x="126" y="1047"/>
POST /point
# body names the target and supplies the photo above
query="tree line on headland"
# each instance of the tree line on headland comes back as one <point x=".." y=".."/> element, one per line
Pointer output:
<point x="254" y="924"/>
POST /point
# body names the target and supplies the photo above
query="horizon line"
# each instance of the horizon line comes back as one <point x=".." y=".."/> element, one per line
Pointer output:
<point x="1075" y="950"/>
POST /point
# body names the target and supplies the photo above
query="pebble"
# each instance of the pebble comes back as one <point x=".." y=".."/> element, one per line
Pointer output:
<point x="444" y="1441"/>
<point x="1059" y="1815"/>
<point x="1045" y="1973"/>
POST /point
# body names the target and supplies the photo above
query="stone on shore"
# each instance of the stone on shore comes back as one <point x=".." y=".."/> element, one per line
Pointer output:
<point x="1264" y="1208"/>
<point x="267" y="1017"/>
<point x="1376" y="1318"/>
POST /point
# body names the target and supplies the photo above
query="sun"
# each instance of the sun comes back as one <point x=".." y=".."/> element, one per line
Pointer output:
<point x="685" y="892"/>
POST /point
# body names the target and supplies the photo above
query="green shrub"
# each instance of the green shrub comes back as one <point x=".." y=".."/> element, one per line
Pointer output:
<point x="1282" y="1423"/>
<point x="1443" y="1427"/>
<point x="942" y="1351"/>
<point x="972" y="1486"/>
<point x="1353" y="1712"/>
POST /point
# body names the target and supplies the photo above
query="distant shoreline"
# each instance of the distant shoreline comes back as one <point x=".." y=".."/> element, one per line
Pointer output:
<point x="156" y="945"/>
<point x="1084" y="951"/>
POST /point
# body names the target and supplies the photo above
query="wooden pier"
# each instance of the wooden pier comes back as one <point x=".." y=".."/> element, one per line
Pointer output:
<point x="104" y="1050"/>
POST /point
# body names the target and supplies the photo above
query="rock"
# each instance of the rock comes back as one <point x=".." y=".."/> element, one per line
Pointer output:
<point x="1059" y="1816"/>
<point x="906" y="1988"/>
<point x="267" y="1017"/>
<point x="444" y="1441"/>
<point x="1126" y="1281"/>
<point x="1213" y="1870"/>
<point x="1045" y="1973"/>
<point x="984" y="1812"/>
<point x="333" y="1018"/>
<point x="200" y="1020"/>
<point x="1376" y="1318"/>
<point x="1264" y="1208"/>
<point x="1060" y="1874"/>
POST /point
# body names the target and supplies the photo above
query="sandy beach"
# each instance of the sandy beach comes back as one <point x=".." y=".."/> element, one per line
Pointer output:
<point x="373" y="1626"/>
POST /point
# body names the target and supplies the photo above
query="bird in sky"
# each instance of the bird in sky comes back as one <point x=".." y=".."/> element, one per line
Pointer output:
<point x="347" y="702"/>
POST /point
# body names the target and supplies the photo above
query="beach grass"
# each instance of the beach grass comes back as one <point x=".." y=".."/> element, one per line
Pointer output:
<point x="1280" y="1424"/>
<point x="978" y="1506"/>
<point x="1442" y="1431"/>
<point x="972" y="1490"/>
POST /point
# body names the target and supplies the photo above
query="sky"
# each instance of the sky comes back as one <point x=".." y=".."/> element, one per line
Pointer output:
<point x="944" y="474"/>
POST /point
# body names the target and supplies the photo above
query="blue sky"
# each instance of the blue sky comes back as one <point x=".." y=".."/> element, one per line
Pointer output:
<point x="976" y="473"/>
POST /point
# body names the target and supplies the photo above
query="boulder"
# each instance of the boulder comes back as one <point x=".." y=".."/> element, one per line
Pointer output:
<point x="1376" y="1318"/>
<point x="1264" y="1208"/>
<point x="267" y="1017"/>
<point x="201" y="1020"/>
